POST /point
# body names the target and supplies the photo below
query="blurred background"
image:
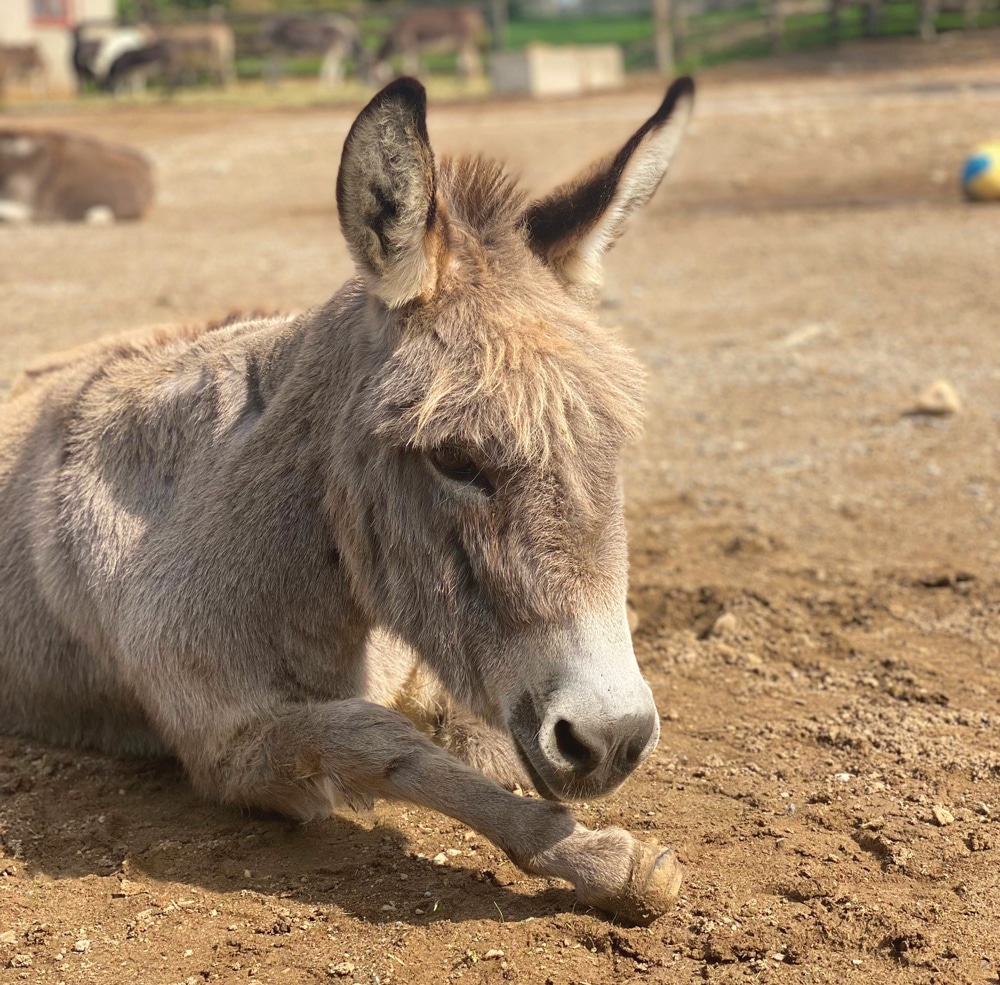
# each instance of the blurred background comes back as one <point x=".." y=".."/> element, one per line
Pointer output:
<point x="54" y="45"/>
<point x="812" y="509"/>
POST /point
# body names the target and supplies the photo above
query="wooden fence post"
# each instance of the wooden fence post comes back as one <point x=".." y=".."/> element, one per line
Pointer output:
<point x="679" y="29"/>
<point x="663" y="37"/>
<point x="929" y="10"/>
<point x="498" y="18"/>
<point x="873" y="18"/>
<point x="834" y="21"/>
<point x="776" y="25"/>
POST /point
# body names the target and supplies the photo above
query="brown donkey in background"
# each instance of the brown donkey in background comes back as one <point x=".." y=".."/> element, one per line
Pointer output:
<point x="254" y="546"/>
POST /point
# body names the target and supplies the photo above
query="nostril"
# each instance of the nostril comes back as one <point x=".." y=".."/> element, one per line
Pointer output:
<point x="635" y="749"/>
<point x="639" y="742"/>
<point x="581" y="756"/>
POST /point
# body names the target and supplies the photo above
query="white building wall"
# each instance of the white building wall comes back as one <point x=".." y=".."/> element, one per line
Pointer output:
<point x="54" y="40"/>
<point x="15" y="21"/>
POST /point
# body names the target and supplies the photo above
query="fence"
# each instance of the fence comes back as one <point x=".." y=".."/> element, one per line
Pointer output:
<point x="668" y="34"/>
<point x="696" y="35"/>
<point x="693" y="33"/>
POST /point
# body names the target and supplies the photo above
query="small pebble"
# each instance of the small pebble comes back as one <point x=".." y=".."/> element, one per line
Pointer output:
<point x="82" y="945"/>
<point x="938" y="400"/>
<point x="8" y="937"/>
<point x="804" y="334"/>
<point x="942" y="816"/>
<point x="725" y="625"/>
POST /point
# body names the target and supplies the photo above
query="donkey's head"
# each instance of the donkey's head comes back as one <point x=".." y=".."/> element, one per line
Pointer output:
<point x="483" y="428"/>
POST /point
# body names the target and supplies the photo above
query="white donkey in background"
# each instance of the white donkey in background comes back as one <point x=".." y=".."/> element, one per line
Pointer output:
<point x="249" y="546"/>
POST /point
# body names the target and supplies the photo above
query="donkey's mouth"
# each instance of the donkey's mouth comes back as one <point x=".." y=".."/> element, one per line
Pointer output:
<point x="525" y="727"/>
<point x="537" y="782"/>
<point x="525" y="722"/>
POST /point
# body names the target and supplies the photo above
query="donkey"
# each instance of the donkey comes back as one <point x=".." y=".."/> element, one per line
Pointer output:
<point x="195" y="49"/>
<point x="130" y="70"/>
<point x="22" y="64"/>
<point x="47" y="176"/>
<point x="100" y="45"/>
<point x="434" y="29"/>
<point x="253" y="547"/>
<point x="332" y="36"/>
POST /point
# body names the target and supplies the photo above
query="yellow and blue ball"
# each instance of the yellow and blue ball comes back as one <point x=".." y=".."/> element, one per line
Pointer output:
<point x="981" y="174"/>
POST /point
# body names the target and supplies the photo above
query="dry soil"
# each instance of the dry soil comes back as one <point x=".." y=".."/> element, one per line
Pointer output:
<point x="814" y="566"/>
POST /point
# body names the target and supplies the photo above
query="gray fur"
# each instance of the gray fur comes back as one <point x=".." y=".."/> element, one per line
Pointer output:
<point x="244" y="545"/>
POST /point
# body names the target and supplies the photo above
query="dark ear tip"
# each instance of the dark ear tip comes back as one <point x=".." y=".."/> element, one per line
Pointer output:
<point x="680" y="88"/>
<point x="405" y="90"/>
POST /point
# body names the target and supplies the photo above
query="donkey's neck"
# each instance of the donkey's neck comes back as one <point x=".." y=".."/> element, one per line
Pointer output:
<point x="301" y="381"/>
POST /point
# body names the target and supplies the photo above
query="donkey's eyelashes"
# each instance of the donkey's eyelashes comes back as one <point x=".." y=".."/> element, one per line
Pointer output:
<point x="458" y="465"/>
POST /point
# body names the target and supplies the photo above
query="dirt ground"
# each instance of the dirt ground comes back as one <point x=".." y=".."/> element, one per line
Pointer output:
<point x="814" y="567"/>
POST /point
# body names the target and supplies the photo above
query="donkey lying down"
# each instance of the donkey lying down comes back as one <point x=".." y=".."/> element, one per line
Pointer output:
<point x="256" y="546"/>
<point x="64" y="176"/>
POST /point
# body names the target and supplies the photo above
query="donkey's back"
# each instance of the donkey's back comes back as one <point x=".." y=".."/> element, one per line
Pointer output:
<point x="103" y="449"/>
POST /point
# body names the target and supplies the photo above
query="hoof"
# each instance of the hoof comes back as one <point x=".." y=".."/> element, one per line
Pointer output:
<point x="651" y="888"/>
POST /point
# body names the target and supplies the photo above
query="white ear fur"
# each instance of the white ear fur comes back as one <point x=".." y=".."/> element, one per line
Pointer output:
<point x="574" y="226"/>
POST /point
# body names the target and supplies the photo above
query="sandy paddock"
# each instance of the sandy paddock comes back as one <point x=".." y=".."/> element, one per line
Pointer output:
<point x="814" y="568"/>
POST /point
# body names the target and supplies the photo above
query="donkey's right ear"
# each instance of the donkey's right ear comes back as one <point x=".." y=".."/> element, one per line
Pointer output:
<point x="387" y="195"/>
<point x="572" y="228"/>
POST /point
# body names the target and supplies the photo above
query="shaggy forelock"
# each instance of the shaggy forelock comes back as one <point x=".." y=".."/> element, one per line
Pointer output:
<point x="505" y="360"/>
<point x="479" y="193"/>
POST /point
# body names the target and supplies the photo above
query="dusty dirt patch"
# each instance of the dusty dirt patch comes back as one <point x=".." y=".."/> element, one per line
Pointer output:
<point x="814" y="569"/>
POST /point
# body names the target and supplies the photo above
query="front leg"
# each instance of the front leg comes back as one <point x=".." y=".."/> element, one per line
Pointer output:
<point x="426" y="703"/>
<point x="304" y="759"/>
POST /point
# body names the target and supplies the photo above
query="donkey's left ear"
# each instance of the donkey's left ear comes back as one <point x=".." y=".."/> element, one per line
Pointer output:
<point x="573" y="227"/>
<point x="387" y="195"/>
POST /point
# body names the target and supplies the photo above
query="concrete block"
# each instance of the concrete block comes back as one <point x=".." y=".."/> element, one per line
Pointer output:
<point x="564" y="70"/>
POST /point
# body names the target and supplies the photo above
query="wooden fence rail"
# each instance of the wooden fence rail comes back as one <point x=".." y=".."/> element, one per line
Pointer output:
<point x="684" y="32"/>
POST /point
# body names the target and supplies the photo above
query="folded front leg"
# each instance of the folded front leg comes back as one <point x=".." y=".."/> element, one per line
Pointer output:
<point x="306" y="759"/>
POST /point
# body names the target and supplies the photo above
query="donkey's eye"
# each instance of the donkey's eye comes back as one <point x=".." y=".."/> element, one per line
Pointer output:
<point x="455" y="464"/>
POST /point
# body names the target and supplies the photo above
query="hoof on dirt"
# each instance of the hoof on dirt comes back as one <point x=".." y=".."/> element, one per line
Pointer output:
<point x="652" y="886"/>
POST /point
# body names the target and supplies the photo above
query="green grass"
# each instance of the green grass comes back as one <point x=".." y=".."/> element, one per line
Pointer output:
<point x="596" y="30"/>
